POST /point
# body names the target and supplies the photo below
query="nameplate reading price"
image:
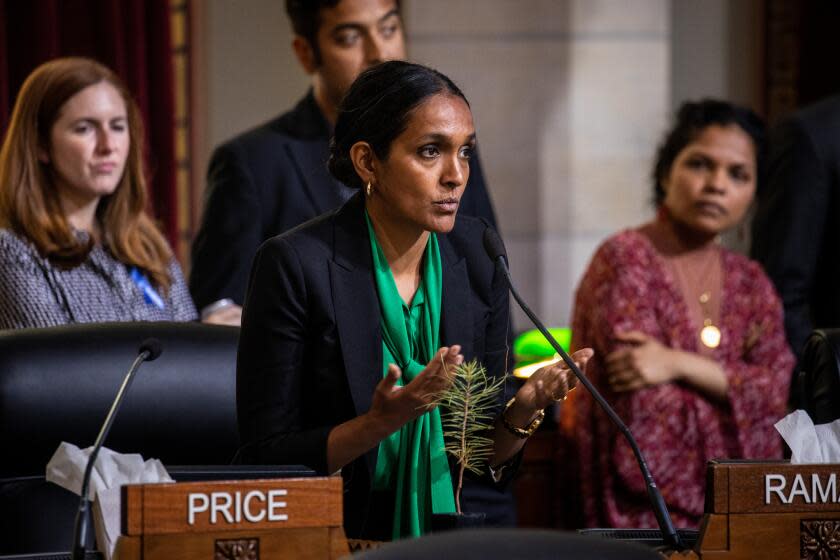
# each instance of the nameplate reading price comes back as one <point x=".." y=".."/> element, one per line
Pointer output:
<point x="195" y="507"/>
<point x="234" y="507"/>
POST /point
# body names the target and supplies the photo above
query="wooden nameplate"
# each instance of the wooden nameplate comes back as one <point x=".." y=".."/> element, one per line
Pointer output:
<point x="276" y="518"/>
<point x="770" y="510"/>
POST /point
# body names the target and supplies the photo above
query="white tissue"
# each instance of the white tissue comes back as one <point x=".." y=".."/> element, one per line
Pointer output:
<point x="810" y="443"/>
<point x="111" y="471"/>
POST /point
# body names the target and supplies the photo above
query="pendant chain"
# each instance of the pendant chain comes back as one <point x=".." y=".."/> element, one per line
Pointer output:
<point x="710" y="334"/>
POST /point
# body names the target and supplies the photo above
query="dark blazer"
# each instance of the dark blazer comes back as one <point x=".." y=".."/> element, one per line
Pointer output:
<point x="267" y="181"/>
<point x="310" y="350"/>
<point x="796" y="230"/>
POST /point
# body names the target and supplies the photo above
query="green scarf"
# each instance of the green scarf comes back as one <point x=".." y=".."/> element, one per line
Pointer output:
<point x="412" y="461"/>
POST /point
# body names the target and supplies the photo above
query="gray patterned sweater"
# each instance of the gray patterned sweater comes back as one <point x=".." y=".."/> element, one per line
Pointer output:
<point x="34" y="293"/>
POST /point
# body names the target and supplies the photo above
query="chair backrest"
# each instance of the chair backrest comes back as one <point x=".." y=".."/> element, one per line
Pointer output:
<point x="819" y="376"/>
<point x="58" y="383"/>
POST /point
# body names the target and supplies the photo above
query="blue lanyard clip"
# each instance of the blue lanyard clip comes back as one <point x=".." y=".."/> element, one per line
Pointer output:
<point x="150" y="295"/>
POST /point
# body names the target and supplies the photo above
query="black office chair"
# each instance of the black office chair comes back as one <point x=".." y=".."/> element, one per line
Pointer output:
<point x="57" y="384"/>
<point x="818" y="379"/>
<point x="509" y="544"/>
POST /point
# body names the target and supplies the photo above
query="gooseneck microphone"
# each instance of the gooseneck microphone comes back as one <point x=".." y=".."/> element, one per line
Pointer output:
<point x="496" y="251"/>
<point x="149" y="350"/>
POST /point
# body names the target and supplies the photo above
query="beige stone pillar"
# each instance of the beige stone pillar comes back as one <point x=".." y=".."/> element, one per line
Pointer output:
<point x="570" y="98"/>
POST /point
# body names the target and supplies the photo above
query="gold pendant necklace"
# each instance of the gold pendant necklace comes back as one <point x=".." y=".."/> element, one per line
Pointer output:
<point x="709" y="334"/>
<point x="699" y="271"/>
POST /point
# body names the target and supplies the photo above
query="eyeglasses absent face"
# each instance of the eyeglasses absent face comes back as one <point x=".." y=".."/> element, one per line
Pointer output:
<point x="422" y="179"/>
<point x="353" y="36"/>
<point x="712" y="181"/>
<point x="89" y="144"/>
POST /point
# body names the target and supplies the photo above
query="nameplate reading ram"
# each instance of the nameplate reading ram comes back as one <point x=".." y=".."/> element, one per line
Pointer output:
<point x="771" y="509"/>
<point x="200" y="507"/>
<point x="772" y="487"/>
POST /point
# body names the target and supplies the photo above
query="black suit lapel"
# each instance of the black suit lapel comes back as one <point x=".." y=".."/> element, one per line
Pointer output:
<point x="456" y="326"/>
<point x="310" y="161"/>
<point x="356" y="304"/>
<point x="309" y="152"/>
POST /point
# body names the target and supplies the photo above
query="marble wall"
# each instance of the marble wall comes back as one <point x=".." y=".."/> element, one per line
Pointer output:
<point x="569" y="97"/>
<point x="245" y="71"/>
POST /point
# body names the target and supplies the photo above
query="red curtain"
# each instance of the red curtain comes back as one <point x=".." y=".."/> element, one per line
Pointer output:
<point x="132" y="37"/>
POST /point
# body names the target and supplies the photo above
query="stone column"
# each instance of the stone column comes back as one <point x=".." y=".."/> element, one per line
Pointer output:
<point x="570" y="98"/>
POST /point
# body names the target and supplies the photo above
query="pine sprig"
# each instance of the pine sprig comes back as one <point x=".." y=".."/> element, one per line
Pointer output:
<point x="467" y="418"/>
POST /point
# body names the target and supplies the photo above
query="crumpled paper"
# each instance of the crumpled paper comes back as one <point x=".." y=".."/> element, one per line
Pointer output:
<point x="810" y="443"/>
<point x="111" y="470"/>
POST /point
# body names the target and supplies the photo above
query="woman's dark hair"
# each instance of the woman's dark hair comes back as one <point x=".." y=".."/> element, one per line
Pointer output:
<point x="305" y="16"/>
<point x="692" y="118"/>
<point x="376" y="110"/>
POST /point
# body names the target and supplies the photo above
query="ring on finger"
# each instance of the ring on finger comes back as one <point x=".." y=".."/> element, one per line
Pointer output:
<point x="561" y="398"/>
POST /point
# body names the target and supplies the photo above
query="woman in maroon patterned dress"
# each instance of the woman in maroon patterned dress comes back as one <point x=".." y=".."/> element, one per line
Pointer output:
<point x="688" y="337"/>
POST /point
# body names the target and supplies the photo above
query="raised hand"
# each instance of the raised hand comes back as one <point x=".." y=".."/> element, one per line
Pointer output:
<point x="395" y="405"/>
<point x="547" y="385"/>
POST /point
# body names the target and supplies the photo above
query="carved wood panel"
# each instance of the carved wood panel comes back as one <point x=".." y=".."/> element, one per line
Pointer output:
<point x="237" y="549"/>
<point x="819" y="539"/>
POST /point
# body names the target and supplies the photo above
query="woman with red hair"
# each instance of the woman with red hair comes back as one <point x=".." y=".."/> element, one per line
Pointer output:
<point x="76" y="244"/>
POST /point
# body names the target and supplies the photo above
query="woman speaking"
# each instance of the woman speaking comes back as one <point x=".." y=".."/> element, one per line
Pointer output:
<point x="353" y="321"/>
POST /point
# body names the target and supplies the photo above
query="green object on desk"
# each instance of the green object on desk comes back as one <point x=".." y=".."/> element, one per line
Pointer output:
<point x="531" y="347"/>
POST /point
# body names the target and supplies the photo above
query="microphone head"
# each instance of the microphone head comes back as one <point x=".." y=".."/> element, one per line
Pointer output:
<point x="493" y="245"/>
<point x="153" y="347"/>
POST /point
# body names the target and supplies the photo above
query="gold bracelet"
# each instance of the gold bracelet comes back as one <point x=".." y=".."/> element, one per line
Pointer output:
<point x="527" y="431"/>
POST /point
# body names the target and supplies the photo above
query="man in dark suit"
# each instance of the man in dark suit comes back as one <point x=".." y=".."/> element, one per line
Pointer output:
<point x="274" y="177"/>
<point x="796" y="231"/>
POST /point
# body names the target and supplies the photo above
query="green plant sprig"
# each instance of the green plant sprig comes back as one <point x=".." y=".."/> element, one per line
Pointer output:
<point x="467" y="417"/>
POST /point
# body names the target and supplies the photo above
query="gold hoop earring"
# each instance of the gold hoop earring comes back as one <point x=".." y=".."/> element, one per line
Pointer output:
<point x="368" y="189"/>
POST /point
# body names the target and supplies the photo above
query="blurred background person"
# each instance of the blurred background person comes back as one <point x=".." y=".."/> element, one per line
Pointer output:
<point x="274" y="177"/>
<point x="796" y="230"/>
<point x="688" y="336"/>
<point x="353" y="321"/>
<point x="76" y="244"/>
